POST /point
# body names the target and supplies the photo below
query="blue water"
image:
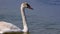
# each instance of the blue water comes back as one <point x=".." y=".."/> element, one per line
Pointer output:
<point x="44" y="19"/>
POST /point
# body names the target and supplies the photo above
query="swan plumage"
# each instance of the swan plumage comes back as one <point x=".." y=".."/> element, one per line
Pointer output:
<point x="8" y="27"/>
<point x="5" y="27"/>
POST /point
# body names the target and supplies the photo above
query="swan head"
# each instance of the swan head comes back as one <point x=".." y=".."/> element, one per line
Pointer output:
<point x="26" y="5"/>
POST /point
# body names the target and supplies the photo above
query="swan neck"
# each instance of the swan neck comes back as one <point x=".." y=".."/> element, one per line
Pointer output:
<point x="25" y="28"/>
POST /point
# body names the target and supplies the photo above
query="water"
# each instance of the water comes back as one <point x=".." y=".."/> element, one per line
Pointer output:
<point x="36" y="24"/>
<point x="44" y="19"/>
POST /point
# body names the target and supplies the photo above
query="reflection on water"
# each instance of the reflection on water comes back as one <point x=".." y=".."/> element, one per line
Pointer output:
<point x="16" y="33"/>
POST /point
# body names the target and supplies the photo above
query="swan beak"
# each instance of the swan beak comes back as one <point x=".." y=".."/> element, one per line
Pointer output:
<point x="31" y="8"/>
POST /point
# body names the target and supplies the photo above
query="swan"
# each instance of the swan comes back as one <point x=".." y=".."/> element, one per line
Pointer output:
<point x="9" y="27"/>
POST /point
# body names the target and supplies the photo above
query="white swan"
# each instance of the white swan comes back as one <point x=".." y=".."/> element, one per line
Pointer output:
<point x="8" y="27"/>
